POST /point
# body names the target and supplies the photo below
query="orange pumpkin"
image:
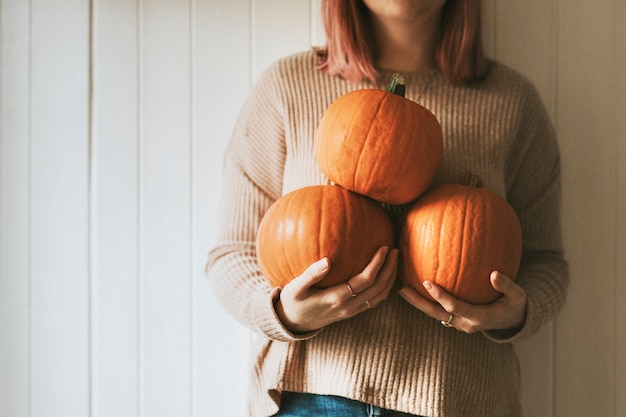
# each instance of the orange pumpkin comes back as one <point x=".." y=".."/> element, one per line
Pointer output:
<point x="313" y="222"/>
<point x="380" y="144"/>
<point x="455" y="236"/>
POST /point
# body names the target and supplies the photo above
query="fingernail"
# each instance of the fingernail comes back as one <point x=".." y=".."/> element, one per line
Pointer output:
<point x="322" y="264"/>
<point x="428" y="285"/>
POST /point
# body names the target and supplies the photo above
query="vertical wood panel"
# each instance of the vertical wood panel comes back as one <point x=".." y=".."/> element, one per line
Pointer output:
<point x="115" y="210"/>
<point x="524" y="38"/>
<point x="527" y="41"/>
<point x="14" y="208"/>
<point x="537" y="367"/>
<point x="222" y="75"/>
<point x="585" y="332"/>
<point x="270" y="40"/>
<point x="489" y="26"/>
<point x="619" y="137"/>
<point x="59" y="208"/>
<point x="165" y="344"/>
<point x="318" y="35"/>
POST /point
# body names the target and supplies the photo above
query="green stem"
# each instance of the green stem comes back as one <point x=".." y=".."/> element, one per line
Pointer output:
<point x="397" y="85"/>
<point x="471" y="179"/>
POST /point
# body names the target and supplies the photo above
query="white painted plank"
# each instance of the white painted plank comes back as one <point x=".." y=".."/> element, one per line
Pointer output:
<point x="527" y="41"/>
<point x="523" y="37"/>
<point x="619" y="137"/>
<point x="585" y="332"/>
<point x="165" y="209"/>
<point x="536" y="358"/>
<point x="279" y="28"/>
<point x="115" y="204"/>
<point x="489" y="26"/>
<point x="221" y="82"/>
<point x="318" y="35"/>
<point x="14" y="209"/>
<point x="59" y="208"/>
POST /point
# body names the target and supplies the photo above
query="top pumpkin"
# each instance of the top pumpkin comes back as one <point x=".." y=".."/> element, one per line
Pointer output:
<point x="380" y="144"/>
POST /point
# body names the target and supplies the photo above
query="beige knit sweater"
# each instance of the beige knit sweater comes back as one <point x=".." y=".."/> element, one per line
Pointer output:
<point x="393" y="356"/>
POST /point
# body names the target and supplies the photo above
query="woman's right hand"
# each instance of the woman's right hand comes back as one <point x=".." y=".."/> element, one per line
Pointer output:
<point x="303" y="307"/>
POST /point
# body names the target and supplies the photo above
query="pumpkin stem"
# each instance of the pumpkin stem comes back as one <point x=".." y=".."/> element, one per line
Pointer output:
<point x="473" y="180"/>
<point x="397" y="85"/>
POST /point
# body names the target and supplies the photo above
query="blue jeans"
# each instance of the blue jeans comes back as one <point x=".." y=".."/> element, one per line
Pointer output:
<point x="295" y="404"/>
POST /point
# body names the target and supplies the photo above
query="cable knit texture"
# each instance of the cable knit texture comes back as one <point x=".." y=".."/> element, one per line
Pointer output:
<point x="393" y="356"/>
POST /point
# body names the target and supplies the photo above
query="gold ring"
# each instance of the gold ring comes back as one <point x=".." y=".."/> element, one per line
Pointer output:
<point x="447" y="323"/>
<point x="352" y="293"/>
<point x="367" y="303"/>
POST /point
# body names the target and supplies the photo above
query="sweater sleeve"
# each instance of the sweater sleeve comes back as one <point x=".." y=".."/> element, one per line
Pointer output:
<point x="534" y="190"/>
<point x="252" y="181"/>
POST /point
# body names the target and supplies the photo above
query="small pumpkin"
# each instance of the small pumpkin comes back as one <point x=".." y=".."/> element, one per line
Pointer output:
<point x="455" y="236"/>
<point x="380" y="144"/>
<point x="313" y="222"/>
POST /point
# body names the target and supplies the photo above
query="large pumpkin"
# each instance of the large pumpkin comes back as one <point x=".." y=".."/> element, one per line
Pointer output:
<point x="380" y="144"/>
<point x="455" y="236"/>
<point x="313" y="222"/>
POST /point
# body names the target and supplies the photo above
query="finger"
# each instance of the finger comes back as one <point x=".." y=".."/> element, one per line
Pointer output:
<point x="311" y="276"/>
<point x="377" y="262"/>
<point x="350" y="290"/>
<point x="366" y="305"/>
<point x="414" y="298"/>
<point x="391" y="270"/>
<point x="387" y="273"/>
<point x="438" y="312"/>
<point x="504" y="284"/>
<point x="467" y="317"/>
<point x="449" y="303"/>
<point x="446" y="309"/>
<point x="379" y="292"/>
<point x="368" y="276"/>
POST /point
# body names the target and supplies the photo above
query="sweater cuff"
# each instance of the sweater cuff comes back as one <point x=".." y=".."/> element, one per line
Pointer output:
<point x="533" y="322"/>
<point x="269" y="323"/>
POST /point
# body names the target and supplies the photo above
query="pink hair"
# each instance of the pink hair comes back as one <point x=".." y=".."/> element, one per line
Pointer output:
<point x="349" y="53"/>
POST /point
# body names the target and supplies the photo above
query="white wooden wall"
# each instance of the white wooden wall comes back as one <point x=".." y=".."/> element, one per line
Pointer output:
<point x="114" y="115"/>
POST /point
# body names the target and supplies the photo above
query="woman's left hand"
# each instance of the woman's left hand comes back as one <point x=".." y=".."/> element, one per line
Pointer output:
<point x="507" y="312"/>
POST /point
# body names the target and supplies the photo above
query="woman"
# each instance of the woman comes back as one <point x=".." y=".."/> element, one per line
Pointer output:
<point x="369" y="347"/>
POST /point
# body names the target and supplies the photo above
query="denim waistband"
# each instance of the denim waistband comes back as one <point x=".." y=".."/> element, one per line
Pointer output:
<point x="296" y="404"/>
